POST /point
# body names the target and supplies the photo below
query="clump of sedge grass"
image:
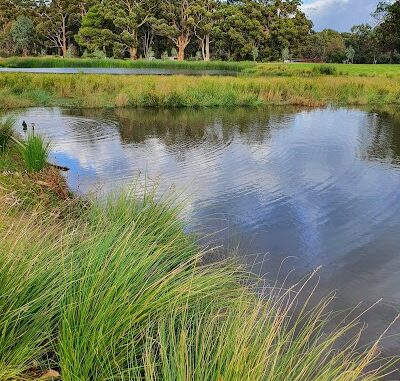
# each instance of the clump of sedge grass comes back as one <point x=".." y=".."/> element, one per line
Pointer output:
<point x="118" y="291"/>
<point x="35" y="152"/>
<point x="6" y="131"/>
<point x="257" y="340"/>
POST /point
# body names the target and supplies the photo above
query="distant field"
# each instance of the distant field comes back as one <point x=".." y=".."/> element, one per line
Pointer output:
<point x="310" y="69"/>
<point x="246" y="68"/>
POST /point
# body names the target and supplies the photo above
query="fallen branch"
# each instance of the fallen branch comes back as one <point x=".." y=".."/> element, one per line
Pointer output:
<point x="64" y="169"/>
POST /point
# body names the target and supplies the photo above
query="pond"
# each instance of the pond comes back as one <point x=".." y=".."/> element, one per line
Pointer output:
<point x="285" y="188"/>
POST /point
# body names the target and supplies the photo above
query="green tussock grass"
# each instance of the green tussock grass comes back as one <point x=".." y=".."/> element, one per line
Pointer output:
<point x="23" y="190"/>
<point x="118" y="291"/>
<point x="93" y="91"/>
<point x="6" y="131"/>
<point x="35" y="152"/>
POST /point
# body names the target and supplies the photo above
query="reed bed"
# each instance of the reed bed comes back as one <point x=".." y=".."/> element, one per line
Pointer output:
<point x="93" y="91"/>
<point x="57" y="62"/>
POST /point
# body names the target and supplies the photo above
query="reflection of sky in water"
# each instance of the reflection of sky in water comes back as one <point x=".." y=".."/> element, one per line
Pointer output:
<point x="301" y="191"/>
<point x="320" y="185"/>
<point x="78" y="175"/>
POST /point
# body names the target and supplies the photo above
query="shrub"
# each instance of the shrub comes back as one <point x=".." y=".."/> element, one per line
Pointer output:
<point x="325" y="70"/>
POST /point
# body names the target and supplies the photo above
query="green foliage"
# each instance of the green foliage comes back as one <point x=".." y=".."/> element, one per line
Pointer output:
<point x="35" y="152"/>
<point x="388" y="29"/>
<point x="29" y="275"/>
<point x="328" y="46"/>
<point x="96" y="54"/>
<point x="71" y="52"/>
<point x="96" y="32"/>
<point x="224" y="30"/>
<point x="22" y="33"/>
<point x="364" y="40"/>
<point x="6" y="131"/>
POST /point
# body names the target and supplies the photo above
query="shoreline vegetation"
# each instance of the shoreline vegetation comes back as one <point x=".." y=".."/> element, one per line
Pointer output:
<point x="118" y="291"/>
<point x="19" y="90"/>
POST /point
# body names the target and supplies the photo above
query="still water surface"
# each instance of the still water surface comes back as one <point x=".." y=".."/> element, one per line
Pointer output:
<point x="306" y="188"/>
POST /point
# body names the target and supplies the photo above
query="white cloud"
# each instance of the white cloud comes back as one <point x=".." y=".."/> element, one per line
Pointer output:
<point x="339" y="14"/>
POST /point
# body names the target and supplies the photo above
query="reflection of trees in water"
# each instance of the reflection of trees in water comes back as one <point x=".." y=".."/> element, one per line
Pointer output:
<point x="384" y="136"/>
<point x="194" y="126"/>
<point x="181" y="129"/>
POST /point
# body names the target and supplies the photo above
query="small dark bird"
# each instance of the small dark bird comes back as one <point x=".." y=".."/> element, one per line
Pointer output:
<point x="33" y="127"/>
<point x="24" y="126"/>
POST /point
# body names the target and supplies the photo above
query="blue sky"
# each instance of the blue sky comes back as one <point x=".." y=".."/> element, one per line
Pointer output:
<point x="339" y="14"/>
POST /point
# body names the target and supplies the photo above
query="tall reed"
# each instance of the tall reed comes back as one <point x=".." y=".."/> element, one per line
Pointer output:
<point x="57" y="62"/>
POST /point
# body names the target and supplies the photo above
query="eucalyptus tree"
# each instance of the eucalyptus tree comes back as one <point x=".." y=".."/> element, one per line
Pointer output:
<point x="10" y="11"/>
<point x="96" y="31"/>
<point x="60" y="19"/>
<point x="363" y="38"/>
<point x="388" y="29"/>
<point x="241" y="30"/>
<point x="177" y="23"/>
<point x="287" y="27"/>
<point x="205" y="18"/>
<point x="128" y="17"/>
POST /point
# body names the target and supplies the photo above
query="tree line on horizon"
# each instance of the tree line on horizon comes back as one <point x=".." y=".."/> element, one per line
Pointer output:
<point x="259" y="30"/>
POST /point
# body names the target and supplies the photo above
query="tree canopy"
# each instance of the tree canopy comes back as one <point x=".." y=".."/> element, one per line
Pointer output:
<point x="191" y="29"/>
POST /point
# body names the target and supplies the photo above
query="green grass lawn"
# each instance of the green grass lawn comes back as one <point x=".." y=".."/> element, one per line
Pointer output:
<point x="311" y="69"/>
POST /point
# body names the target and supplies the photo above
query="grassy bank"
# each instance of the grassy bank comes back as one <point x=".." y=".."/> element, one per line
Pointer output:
<point x="91" y="91"/>
<point x="118" y="291"/>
